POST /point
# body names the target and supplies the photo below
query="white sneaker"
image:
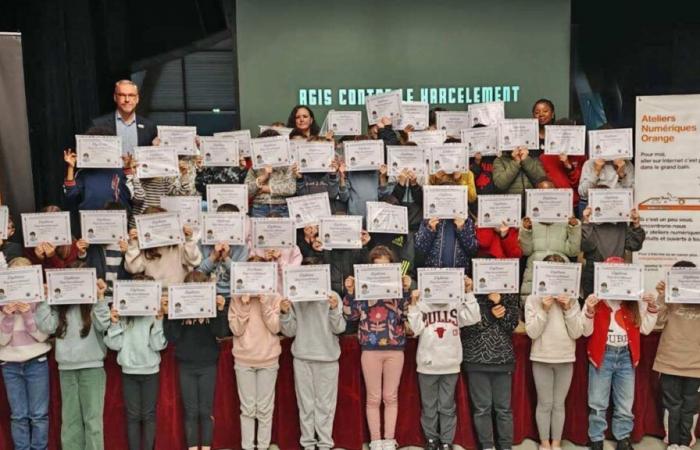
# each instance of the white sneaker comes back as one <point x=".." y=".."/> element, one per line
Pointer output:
<point x="672" y="447"/>
<point x="390" y="444"/>
<point x="683" y="447"/>
<point x="376" y="445"/>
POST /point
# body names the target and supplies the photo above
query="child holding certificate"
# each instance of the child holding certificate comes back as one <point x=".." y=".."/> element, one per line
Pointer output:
<point x="408" y="190"/>
<point x="516" y="171"/>
<point x="50" y="256"/>
<point x="220" y="175"/>
<point x="501" y="242"/>
<point x="447" y="243"/>
<point x="8" y="248"/>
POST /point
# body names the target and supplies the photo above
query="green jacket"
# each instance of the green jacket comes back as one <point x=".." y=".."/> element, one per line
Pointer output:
<point x="512" y="177"/>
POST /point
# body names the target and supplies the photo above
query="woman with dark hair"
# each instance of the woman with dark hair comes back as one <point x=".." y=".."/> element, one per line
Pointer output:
<point x="543" y="111"/>
<point x="302" y="118"/>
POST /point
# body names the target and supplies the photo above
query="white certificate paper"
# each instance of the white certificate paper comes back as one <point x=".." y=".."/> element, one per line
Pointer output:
<point x="4" y="221"/>
<point x="71" y="286"/>
<point x="489" y="113"/>
<point x="452" y="122"/>
<point x="240" y="136"/>
<point x="232" y="194"/>
<point x="553" y="278"/>
<point x="387" y="104"/>
<point x="98" y="152"/>
<point x="228" y="227"/>
<point x="448" y="158"/>
<point x="565" y="139"/>
<point x="549" y="205"/>
<point x="253" y="278"/>
<point x="400" y="157"/>
<point x="153" y="162"/>
<point x="363" y="155"/>
<point x="618" y="281"/>
<point x="378" y="281"/>
<point x="496" y="275"/>
<point x="444" y="202"/>
<point x="385" y="218"/>
<point x="482" y="140"/>
<point x="21" y="284"/>
<point x="307" y="283"/>
<point x="191" y="301"/>
<point x="428" y="138"/>
<point x="340" y="232"/>
<point x="441" y="285"/>
<point x="189" y="207"/>
<point x="496" y="209"/>
<point x="270" y="151"/>
<point x="273" y="232"/>
<point x="103" y="226"/>
<point x="344" y="123"/>
<point x="137" y="297"/>
<point x="414" y="114"/>
<point x="308" y="209"/>
<point x="159" y="230"/>
<point x="514" y="133"/>
<point x="51" y="227"/>
<point x="682" y="285"/>
<point x="610" y="205"/>
<point x="314" y="156"/>
<point x="219" y="151"/>
<point x="610" y="144"/>
<point x="183" y="138"/>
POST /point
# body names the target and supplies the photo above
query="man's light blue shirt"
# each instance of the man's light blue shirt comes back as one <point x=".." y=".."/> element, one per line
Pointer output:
<point x="128" y="132"/>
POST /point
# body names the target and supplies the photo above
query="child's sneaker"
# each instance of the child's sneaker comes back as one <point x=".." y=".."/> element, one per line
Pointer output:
<point x="376" y="445"/>
<point x="432" y="444"/>
<point x="390" y="444"/>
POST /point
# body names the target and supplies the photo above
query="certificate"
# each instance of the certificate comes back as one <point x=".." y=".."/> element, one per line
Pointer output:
<point x="340" y="232"/>
<point x="549" y="205"/>
<point x="153" y="162"/>
<point x="448" y="158"/>
<point x="98" y="152"/>
<point x="385" y="218"/>
<point x="610" y="144"/>
<point x="314" y="156"/>
<point x="253" y="278"/>
<point x="387" y="104"/>
<point x="618" y="281"/>
<point x="228" y="227"/>
<point x="444" y="202"/>
<point x="189" y="207"/>
<point x="489" y="113"/>
<point x="363" y="155"/>
<point x="137" y="297"/>
<point x="452" y="122"/>
<point x="307" y="283"/>
<point x="482" y="140"/>
<point x="4" y="221"/>
<point x="219" y="151"/>
<point x="21" y="284"/>
<point x="159" y="229"/>
<point x="231" y="194"/>
<point x="565" y="139"/>
<point x="400" y="157"/>
<point x="553" y="278"/>
<point x="610" y="205"/>
<point x="344" y="123"/>
<point x="270" y="151"/>
<point x="441" y="285"/>
<point x="71" y="286"/>
<point x="514" y="133"/>
<point x="273" y="232"/>
<point x="103" y="226"/>
<point x="283" y="131"/>
<point x="428" y="138"/>
<point x="496" y="275"/>
<point x="494" y="210"/>
<point x="413" y="114"/>
<point x="682" y="285"/>
<point x="51" y="227"/>
<point x="307" y="209"/>
<point x="183" y="138"/>
<point x="240" y="136"/>
<point x="378" y="281"/>
<point x="191" y="301"/>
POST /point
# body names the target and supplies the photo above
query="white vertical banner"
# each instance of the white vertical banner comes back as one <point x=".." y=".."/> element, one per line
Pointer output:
<point x="667" y="181"/>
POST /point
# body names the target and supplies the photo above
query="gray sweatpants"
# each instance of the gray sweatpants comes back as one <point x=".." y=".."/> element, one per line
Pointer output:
<point x="256" y="393"/>
<point x="316" y="386"/>
<point x="491" y="391"/>
<point x="438" y="415"/>
<point x="552" y="382"/>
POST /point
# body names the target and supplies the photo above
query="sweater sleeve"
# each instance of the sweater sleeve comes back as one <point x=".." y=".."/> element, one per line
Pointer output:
<point x="533" y="169"/>
<point x="7" y="326"/>
<point x="573" y="239"/>
<point x="156" y="338"/>
<point x="190" y="253"/>
<point x="589" y="178"/>
<point x="351" y="311"/>
<point x="469" y="311"/>
<point x="271" y="312"/>
<point x="415" y="319"/>
<point x="535" y="317"/>
<point x="288" y="323"/>
<point x="511" y="246"/>
<point x="282" y="186"/>
<point x="100" y="316"/>
<point x="505" y="170"/>
<point x="115" y="336"/>
<point x="425" y="237"/>
<point x="251" y="183"/>
<point x="467" y="238"/>
<point x="336" y="319"/>
<point x="510" y="320"/>
<point x="173" y="330"/>
<point x="648" y="319"/>
<point x="526" y="242"/>
<point x="46" y="318"/>
<point x="572" y="319"/>
<point x="134" y="261"/>
<point x="634" y="238"/>
<point x="238" y="316"/>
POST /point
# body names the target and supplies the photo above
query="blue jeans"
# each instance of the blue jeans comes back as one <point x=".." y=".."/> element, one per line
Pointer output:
<point x="617" y="373"/>
<point x="27" y="385"/>
<point x="264" y="210"/>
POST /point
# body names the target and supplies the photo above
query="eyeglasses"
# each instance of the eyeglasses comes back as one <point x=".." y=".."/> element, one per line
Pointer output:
<point x="129" y="96"/>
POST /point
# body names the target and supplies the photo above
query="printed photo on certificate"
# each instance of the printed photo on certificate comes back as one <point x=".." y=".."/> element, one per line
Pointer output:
<point x="71" y="286"/>
<point x="98" y="152"/>
<point x="441" y="285"/>
<point x="307" y="283"/>
<point x="610" y="205"/>
<point x="483" y="140"/>
<point x="400" y="157"/>
<point x="314" y="156"/>
<point x="51" y="227"/>
<point x="270" y="151"/>
<point x="496" y="275"/>
<point x="183" y="138"/>
<point x="448" y="158"/>
<point x="387" y="104"/>
<point x="413" y="114"/>
<point x="363" y="155"/>
<point x="21" y="284"/>
<point x="383" y="217"/>
<point x="159" y="230"/>
<point x="514" y="133"/>
<point x="253" y="278"/>
<point x="553" y="278"/>
<point x="344" y="123"/>
<point x="489" y="113"/>
<point x="240" y="136"/>
<point x="445" y="202"/>
<point x="428" y="138"/>
<point x="618" y="281"/>
<point x="378" y="281"/>
<point x="4" y="221"/>
<point x="219" y="151"/>
<point x="231" y="194"/>
<point x="273" y="232"/>
<point x="228" y="227"/>
<point x="682" y="285"/>
<point x="565" y="140"/>
<point x="307" y="209"/>
<point x="103" y="226"/>
<point x="189" y="207"/>
<point x="154" y="162"/>
<point x="191" y="301"/>
<point x="452" y="122"/>
<point x="549" y="205"/>
<point x="494" y="210"/>
<point x="137" y="297"/>
<point x="340" y="232"/>
<point x="610" y="144"/>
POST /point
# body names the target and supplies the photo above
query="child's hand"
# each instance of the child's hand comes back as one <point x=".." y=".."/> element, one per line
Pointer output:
<point x="591" y="301"/>
<point x="134" y="234"/>
<point x="634" y="217"/>
<point x="9" y="309"/>
<point x="49" y="250"/>
<point x="383" y="170"/>
<point x="332" y="301"/>
<point x="317" y="245"/>
<point x="503" y="229"/>
<point x="23" y="307"/>
<point x="498" y="311"/>
<point x="245" y="299"/>
<point x="415" y="296"/>
<point x="433" y="223"/>
<point x="101" y="288"/>
<point x="661" y="288"/>
<point x="123" y="246"/>
<point x="365" y="237"/>
<point x="285" y="305"/>
<point x="82" y="246"/>
<point x="70" y="157"/>
<point x="495" y="297"/>
<point x="114" y="315"/>
<point x="184" y="167"/>
<point x="598" y="165"/>
<point x="39" y="252"/>
<point x="220" y="302"/>
<point x="350" y="285"/>
<point x="459" y="222"/>
<point x="406" y="282"/>
<point x="586" y="216"/>
<point x="527" y="223"/>
<point x="547" y="302"/>
<point x="468" y="285"/>
<point x="564" y="302"/>
<point x="573" y="221"/>
<point x="187" y="230"/>
<point x="164" y="304"/>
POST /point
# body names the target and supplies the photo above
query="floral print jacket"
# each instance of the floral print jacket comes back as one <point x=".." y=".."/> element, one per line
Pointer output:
<point x="381" y="324"/>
